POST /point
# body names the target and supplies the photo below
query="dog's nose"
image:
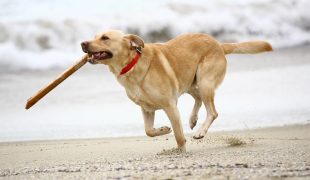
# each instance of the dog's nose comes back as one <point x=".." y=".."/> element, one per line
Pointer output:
<point x="84" y="46"/>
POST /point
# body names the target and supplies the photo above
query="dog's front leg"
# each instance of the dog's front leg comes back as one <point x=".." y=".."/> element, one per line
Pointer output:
<point x="149" y="125"/>
<point x="174" y="116"/>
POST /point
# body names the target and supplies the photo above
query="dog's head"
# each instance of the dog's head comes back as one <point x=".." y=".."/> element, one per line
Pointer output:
<point x="111" y="46"/>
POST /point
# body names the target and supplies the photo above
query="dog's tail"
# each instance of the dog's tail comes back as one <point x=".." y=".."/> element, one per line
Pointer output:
<point x="250" y="47"/>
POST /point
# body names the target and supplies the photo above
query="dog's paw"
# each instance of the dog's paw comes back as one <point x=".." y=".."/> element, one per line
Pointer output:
<point x="193" y="121"/>
<point x="164" y="130"/>
<point x="199" y="135"/>
<point x="182" y="149"/>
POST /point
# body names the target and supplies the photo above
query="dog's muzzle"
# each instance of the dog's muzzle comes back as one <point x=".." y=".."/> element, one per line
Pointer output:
<point x="84" y="46"/>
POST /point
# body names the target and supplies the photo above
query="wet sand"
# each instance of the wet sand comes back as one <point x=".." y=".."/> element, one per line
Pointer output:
<point x="268" y="153"/>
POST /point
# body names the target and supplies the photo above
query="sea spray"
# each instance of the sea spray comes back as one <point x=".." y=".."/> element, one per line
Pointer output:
<point x="45" y="34"/>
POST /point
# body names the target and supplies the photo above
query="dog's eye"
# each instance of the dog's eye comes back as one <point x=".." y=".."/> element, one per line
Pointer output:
<point x="104" y="38"/>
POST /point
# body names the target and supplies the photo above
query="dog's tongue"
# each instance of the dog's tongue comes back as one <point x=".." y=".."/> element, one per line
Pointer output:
<point x="97" y="55"/>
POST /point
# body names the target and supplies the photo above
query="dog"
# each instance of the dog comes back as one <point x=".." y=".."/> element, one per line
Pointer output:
<point x="155" y="75"/>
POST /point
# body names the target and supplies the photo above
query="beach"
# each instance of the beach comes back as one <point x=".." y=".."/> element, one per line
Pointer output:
<point x="78" y="132"/>
<point x="87" y="127"/>
<point x="268" y="153"/>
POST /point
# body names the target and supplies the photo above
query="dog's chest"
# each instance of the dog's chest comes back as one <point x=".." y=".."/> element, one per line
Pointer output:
<point x="140" y="97"/>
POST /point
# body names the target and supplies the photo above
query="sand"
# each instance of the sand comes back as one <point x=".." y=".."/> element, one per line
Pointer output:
<point x="84" y="106"/>
<point x="267" y="153"/>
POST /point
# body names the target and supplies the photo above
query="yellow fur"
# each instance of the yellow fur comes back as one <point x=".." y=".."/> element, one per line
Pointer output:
<point x="190" y="63"/>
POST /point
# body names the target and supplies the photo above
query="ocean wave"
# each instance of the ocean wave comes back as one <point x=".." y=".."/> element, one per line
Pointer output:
<point x="37" y="41"/>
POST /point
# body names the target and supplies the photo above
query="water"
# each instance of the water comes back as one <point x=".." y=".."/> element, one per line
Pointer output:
<point x="270" y="89"/>
<point x="40" y="38"/>
<point x="40" y="34"/>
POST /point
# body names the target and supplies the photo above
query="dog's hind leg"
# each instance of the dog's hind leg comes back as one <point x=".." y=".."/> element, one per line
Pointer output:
<point x="149" y="125"/>
<point x="208" y="100"/>
<point x="210" y="74"/>
<point x="198" y="102"/>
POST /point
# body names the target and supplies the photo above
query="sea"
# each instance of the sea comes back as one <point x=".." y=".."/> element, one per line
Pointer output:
<point x="39" y="39"/>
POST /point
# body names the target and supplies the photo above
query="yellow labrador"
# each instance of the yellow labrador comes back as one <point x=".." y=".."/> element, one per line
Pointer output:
<point x="156" y="75"/>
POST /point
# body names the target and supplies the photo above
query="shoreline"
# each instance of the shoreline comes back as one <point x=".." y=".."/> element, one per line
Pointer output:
<point x="306" y="122"/>
<point x="273" y="152"/>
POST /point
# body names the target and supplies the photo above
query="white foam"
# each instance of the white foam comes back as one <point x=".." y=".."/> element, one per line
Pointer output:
<point x="33" y="31"/>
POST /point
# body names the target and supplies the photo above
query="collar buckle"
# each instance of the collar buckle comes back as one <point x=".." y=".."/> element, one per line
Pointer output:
<point x="139" y="50"/>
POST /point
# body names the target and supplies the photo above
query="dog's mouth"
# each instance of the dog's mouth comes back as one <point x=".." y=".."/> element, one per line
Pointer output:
<point x="99" y="56"/>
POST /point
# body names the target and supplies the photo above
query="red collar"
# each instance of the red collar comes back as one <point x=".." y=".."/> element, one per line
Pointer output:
<point x="132" y="63"/>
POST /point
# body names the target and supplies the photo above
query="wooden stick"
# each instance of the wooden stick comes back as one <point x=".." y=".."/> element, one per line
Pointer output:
<point x="35" y="98"/>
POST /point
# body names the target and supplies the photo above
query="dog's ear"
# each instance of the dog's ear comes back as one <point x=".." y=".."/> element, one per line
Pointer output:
<point x="135" y="41"/>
